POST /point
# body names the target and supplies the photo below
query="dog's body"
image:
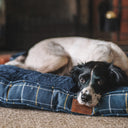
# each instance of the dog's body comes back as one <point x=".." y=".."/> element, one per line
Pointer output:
<point x="59" y="55"/>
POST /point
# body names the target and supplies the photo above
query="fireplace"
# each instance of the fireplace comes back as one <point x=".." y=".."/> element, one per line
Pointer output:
<point x="28" y="22"/>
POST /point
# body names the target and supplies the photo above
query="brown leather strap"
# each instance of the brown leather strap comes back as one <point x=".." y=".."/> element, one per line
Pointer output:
<point x="82" y="109"/>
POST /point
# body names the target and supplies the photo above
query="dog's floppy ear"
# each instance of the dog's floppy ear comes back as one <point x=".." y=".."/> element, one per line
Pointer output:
<point x="117" y="75"/>
<point x="76" y="71"/>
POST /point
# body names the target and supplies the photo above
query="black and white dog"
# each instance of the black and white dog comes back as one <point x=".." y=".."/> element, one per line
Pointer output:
<point x="95" y="78"/>
<point x="59" y="55"/>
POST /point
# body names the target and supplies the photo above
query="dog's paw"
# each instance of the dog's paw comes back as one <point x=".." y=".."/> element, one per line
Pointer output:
<point x="14" y="63"/>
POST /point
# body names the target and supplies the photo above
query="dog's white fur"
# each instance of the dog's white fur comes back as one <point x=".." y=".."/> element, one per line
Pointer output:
<point x="52" y="54"/>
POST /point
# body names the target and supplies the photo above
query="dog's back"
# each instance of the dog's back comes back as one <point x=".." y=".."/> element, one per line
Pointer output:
<point x="57" y="53"/>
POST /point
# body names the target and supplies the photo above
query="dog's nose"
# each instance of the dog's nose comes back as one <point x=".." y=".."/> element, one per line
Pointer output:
<point x="86" y="97"/>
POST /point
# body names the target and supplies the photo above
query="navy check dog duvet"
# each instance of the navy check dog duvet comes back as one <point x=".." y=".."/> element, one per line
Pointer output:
<point x="21" y="88"/>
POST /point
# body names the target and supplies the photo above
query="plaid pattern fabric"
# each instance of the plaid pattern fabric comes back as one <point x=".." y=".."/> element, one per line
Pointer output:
<point x="114" y="103"/>
<point x="25" y="88"/>
<point x="21" y="88"/>
<point x="28" y="94"/>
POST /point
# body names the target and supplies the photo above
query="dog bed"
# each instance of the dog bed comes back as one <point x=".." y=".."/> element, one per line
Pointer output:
<point x="20" y="88"/>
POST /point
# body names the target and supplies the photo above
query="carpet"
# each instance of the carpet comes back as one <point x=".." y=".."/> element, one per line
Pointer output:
<point x="24" y="118"/>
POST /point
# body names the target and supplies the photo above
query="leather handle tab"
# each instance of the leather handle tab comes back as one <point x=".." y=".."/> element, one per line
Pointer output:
<point x="81" y="109"/>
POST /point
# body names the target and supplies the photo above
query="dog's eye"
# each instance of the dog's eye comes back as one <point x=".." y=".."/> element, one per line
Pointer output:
<point x="100" y="82"/>
<point x="82" y="80"/>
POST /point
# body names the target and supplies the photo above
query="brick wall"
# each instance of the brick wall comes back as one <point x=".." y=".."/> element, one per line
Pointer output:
<point x="120" y="37"/>
<point x="123" y="34"/>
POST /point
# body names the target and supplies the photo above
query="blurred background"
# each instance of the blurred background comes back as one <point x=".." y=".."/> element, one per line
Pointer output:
<point x="25" y="22"/>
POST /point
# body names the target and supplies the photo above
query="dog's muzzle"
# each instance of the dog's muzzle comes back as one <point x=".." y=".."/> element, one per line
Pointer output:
<point x="88" y="97"/>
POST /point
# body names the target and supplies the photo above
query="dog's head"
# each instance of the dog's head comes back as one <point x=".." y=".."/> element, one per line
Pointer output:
<point x="95" y="78"/>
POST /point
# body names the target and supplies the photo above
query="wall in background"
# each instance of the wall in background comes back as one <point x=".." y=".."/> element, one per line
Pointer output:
<point x="123" y="34"/>
<point x="120" y="37"/>
<point x="28" y="22"/>
<point x="2" y="23"/>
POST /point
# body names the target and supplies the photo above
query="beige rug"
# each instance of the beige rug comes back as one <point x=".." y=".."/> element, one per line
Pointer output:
<point x="20" y="118"/>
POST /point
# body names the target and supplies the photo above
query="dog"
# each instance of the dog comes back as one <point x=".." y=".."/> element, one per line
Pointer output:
<point x="93" y="79"/>
<point x="59" y="55"/>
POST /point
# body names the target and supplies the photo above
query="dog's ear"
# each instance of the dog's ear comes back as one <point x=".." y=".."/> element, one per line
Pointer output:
<point x="117" y="76"/>
<point x="76" y="71"/>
